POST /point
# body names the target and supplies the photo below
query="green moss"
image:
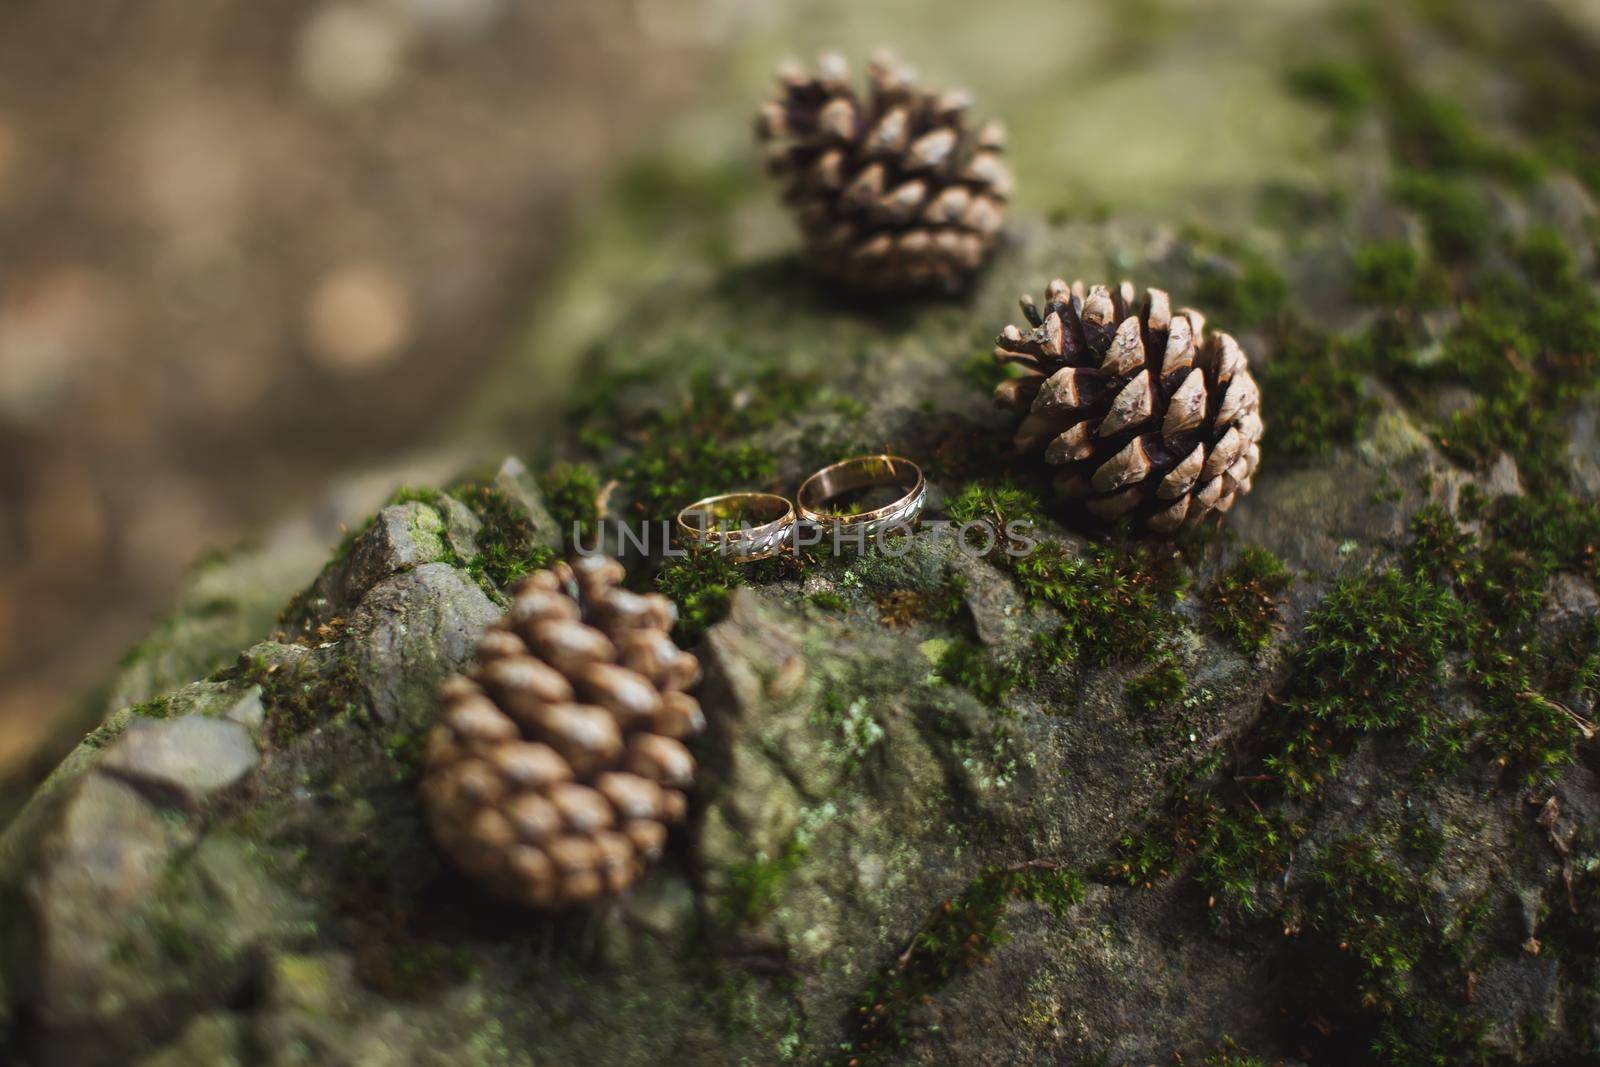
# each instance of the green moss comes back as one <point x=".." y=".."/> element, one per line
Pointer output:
<point x="959" y="935"/>
<point x="689" y="442"/>
<point x="1557" y="530"/>
<point x="1435" y="134"/>
<point x="508" y="545"/>
<point x="1390" y="970"/>
<point x="1292" y="207"/>
<point x="853" y="732"/>
<point x="982" y="371"/>
<point x="1368" y="660"/>
<point x="1508" y="422"/>
<point x="406" y="752"/>
<point x="997" y="503"/>
<point x="1158" y="688"/>
<point x="1237" y="284"/>
<point x="1539" y="321"/>
<point x="973" y="668"/>
<point x="1427" y="131"/>
<point x="1526" y="342"/>
<point x="301" y="693"/>
<point x="1439" y="546"/>
<point x="392" y="932"/>
<point x="702" y="586"/>
<point x="1531" y="734"/>
<point x="1115" y="599"/>
<point x="1500" y="575"/>
<point x="410" y="968"/>
<point x="308" y="613"/>
<point x="701" y="448"/>
<point x="1457" y="218"/>
<point x="1560" y="313"/>
<point x="1229" y="1055"/>
<point x="1316" y="400"/>
<point x="1571" y="933"/>
<point x="668" y="194"/>
<point x="948" y="601"/>
<point x="1586" y="664"/>
<point x="1343" y="87"/>
<point x="828" y="600"/>
<point x="1547" y="55"/>
<point x="175" y="940"/>
<point x="1243" y="601"/>
<point x="1505" y="584"/>
<point x="753" y="886"/>
<point x="162" y="707"/>
<point x="1230" y="845"/>
<point x="572" y="493"/>
<point x="1379" y="964"/>
<point x="1393" y="274"/>
<point x="1376" y="645"/>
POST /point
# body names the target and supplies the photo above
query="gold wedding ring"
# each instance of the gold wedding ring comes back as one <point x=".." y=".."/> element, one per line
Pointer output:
<point x="743" y="526"/>
<point x="857" y="473"/>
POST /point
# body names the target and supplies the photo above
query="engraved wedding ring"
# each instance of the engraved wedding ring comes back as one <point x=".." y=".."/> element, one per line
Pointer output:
<point x="743" y="526"/>
<point x="819" y="493"/>
<point x="751" y="526"/>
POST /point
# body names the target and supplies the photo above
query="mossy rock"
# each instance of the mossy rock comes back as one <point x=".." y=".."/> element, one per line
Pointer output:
<point x="1313" y="780"/>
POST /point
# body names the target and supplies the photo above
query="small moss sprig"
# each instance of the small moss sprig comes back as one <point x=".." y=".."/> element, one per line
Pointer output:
<point x="572" y="493"/>
<point x="1115" y="603"/>
<point x="1160" y="687"/>
<point x="701" y="585"/>
<point x="1375" y="645"/>
<point x="1243" y="600"/>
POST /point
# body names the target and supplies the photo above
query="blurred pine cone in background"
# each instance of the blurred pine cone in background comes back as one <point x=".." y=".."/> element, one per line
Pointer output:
<point x="559" y="762"/>
<point x="1148" y="418"/>
<point x="893" y="192"/>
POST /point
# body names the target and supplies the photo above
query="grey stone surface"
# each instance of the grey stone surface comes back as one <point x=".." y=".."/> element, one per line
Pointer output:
<point x="137" y="918"/>
<point x="247" y="710"/>
<point x="1502" y="478"/>
<point x="1564" y="204"/>
<point x="403" y="536"/>
<point x="185" y="761"/>
<point x="1150" y="997"/>
<point x="1583" y="445"/>
<point x="215" y="1040"/>
<point x="108" y="851"/>
<point x="419" y="624"/>
<point x="515" y="480"/>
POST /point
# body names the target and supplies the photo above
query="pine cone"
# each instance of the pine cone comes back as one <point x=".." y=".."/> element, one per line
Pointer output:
<point x="1149" y="419"/>
<point x="559" y="761"/>
<point x="894" y="193"/>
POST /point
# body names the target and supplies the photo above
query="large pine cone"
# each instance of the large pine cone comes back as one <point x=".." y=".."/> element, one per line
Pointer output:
<point x="1149" y="419"/>
<point x="894" y="192"/>
<point x="559" y="761"/>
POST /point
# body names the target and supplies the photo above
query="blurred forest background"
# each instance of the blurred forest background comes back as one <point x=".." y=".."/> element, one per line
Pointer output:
<point x="245" y="247"/>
